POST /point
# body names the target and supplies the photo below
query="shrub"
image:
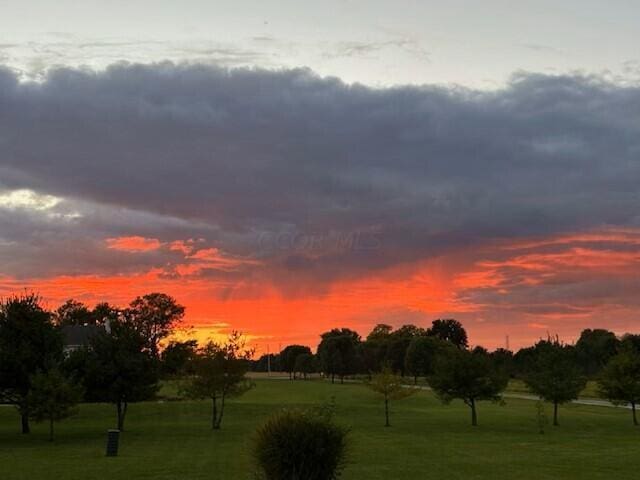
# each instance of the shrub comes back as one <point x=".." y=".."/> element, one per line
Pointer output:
<point x="300" y="445"/>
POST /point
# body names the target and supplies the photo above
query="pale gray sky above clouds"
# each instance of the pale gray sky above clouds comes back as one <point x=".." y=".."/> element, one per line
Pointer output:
<point x="476" y="43"/>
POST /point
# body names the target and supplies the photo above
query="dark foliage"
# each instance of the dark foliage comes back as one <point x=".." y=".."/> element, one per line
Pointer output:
<point x="300" y="445"/>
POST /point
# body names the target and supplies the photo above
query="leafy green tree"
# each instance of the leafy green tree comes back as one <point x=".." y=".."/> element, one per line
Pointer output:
<point x="390" y="387"/>
<point x="305" y="364"/>
<point x="503" y="360"/>
<point x="339" y="353"/>
<point x="594" y="348"/>
<point x="469" y="376"/>
<point x="52" y="398"/>
<point x="421" y="355"/>
<point x="555" y="375"/>
<point x="177" y="357"/>
<point x="155" y="316"/>
<point x="619" y="381"/>
<point x="373" y="351"/>
<point x="29" y="342"/>
<point x="381" y="331"/>
<point x="220" y="373"/>
<point x="267" y="362"/>
<point x="116" y="368"/>
<point x="300" y="445"/>
<point x="449" y="330"/>
<point x="397" y="346"/>
<point x="631" y="340"/>
<point x="288" y="358"/>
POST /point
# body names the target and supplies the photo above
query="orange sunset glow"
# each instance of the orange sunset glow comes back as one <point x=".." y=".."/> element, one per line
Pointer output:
<point x="282" y="203"/>
<point x="495" y="291"/>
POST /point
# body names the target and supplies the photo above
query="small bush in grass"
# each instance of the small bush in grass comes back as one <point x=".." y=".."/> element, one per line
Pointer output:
<point x="300" y="445"/>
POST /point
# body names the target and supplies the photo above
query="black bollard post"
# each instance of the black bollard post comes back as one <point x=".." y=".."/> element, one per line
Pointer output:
<point x="112" y="442"/>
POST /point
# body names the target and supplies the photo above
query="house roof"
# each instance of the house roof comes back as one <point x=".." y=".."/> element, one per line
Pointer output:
<point x="79" y="334"/>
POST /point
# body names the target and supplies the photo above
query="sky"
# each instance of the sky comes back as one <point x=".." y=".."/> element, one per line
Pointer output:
<point x="282" y="168"/>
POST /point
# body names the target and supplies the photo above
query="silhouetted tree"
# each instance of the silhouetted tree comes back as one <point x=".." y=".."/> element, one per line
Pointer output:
<point x="594" y="348"/>
<point x="104" y="313"/>
<point x="177" y="357"/>
<point x="381" y="331"/>
<point x="469" y="376"/>
<point x="116" y="368"/>
<point x="52" y="398"/>
<point x="288" y="358"/>
<point x="305" y="364"/>
<point x="555" y="375"/>
<point x="155" y="316"/>
<point x="73" y="312"/>
<point x="373" y="351"/>
<point x="28" y="343"/>
<point x="421" y="355"/>
<point x="619" y="381"/>
<point x="389" y="385"/>
<point x="503" y="360"/>
<point x="338" y="353"/>
<point x="449" y="330"/>
<point x="631" y="340"/>
<point x="397" y="346"/>
<point x="220" y="373"/>
<point x="523" y="361"/>
<point x="267" y="362"/>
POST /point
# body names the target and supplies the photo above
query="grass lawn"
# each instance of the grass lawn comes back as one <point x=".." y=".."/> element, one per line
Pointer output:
<point x="172" y="440"/>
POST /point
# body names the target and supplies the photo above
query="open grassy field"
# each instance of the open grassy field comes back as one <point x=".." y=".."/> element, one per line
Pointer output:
<point x="172" y="440"/>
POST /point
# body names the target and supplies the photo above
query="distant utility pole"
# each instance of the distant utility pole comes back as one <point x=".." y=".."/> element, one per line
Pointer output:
<point x="507" y="342"/>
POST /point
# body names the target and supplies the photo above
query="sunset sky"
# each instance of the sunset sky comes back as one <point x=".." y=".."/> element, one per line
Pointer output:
<point x="282" y="168"/>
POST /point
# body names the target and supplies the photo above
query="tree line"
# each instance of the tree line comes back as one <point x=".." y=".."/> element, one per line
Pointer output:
<point x="129" y="353"/>
<point x="554" y="371"/>
<point x="121" y="363"/>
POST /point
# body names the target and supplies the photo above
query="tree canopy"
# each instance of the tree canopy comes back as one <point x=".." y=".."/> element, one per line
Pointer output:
<point x="219" y="372"/>
<point x="449" y="330"/>
<point x="155" y="316"/>
<point x="117" y="368"/>
<point x="468" y="376"/>
<point x="555" y="375"/>
<point x="619" y="381"/>
<point x="29" y="343"/>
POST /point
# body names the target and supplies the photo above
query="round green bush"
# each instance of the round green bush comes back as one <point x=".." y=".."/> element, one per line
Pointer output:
<point x="300" y="445"/>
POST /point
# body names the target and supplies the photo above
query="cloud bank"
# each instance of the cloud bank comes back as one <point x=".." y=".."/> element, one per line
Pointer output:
<point x="303" y="182"/>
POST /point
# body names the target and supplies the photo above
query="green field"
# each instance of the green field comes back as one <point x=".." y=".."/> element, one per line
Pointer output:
<point x="171" y="439"/>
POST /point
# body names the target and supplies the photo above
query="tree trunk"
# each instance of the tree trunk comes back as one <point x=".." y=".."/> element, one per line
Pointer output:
<point x="25" y="422"/>
<point x="555" y="414"/>
<point x="415" y="379"/>
<point x="122" y="412"/>
<point x="214" y="419"/>
<point x="633" y="411"/>
<point x="474" y="414"/>
<point x="386" y="412"/>
<point x="219" y="422"/>
<point x="51" y="429"/>
<point x="333" y="378"/>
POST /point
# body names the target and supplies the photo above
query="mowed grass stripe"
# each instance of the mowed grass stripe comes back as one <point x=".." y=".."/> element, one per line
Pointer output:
<point x="172" y="439"/>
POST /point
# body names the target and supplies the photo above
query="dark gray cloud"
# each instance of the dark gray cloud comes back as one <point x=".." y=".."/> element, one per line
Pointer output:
<point x="237" y="156"/>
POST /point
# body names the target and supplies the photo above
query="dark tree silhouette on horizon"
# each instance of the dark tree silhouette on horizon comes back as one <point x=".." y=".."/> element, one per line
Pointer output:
<point x="29" y="342"/>
<point x="449" y="330"/>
